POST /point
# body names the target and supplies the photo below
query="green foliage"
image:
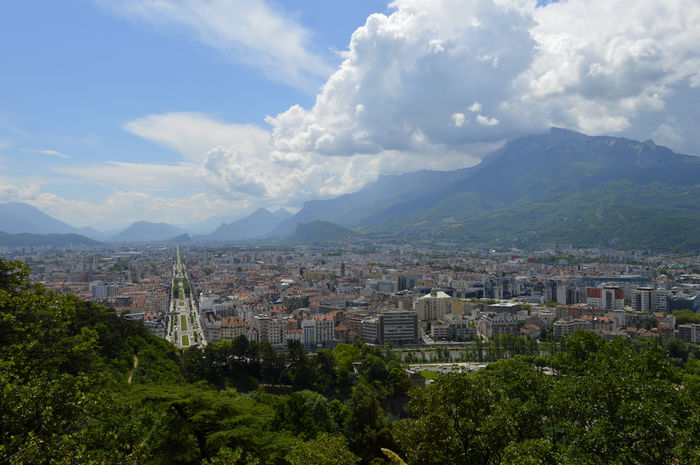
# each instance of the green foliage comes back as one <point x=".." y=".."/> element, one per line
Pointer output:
<point x="611" y="402"/>
<point x="686" y="316"/>
<point x="193" y="422"/>
<point x="326" y="449"/>
<point x="366" y="427"/>
<point x="55" y="376"/>
<point x="305" y="414"/>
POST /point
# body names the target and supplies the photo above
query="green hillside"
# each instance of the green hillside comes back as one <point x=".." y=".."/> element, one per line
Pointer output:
<point x="621" y="215"/>
<point x="566" y="187"/>
<point x="36" y="240"/>
<point x="320" y="232"/>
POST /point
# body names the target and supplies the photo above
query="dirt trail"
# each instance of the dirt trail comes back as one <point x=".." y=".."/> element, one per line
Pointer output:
<point x="136" y="363"/>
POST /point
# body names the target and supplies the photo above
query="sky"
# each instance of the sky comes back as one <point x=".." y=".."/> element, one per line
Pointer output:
<point x="180" y="110"/>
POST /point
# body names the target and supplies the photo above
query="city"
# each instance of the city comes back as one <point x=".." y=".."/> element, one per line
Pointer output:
<point x="416" y="299"/>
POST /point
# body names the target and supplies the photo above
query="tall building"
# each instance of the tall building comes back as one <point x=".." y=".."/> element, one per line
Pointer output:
<point x="398" y="326"/>
<point x="608" y="297"/>
<point x="403" y="300"/>
<point x="269" y="329"/>
<point x="391" y="325"/>
<point x="433" y="306"/>
<point x="406" y="282"/>
<point x="689" y="332"/>
<point x="641" y="299"/>
<point x="317" y="330"/>
<point x="99" y="290"/>
<point x="371" y="331"/>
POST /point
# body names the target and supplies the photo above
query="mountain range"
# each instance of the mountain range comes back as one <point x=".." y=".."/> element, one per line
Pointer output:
<point x="258" y="224"/>
<point x="561" y="186"/>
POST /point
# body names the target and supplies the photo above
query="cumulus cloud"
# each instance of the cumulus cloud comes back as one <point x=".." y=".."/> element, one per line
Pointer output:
<point x="486" y="121"/>
<point x="459" y="120"/>
<point x="249" y="31"/>
<point x="518" y="66"/>
<point x="406" y="71"/>
<point x="229" y="172"/>
<point x="13" y="193"/>
<point x="597" y="68"/>
<point x="669" y="135"/>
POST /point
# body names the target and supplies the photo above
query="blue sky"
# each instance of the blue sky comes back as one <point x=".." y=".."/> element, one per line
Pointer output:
<point x="177" y="110"/>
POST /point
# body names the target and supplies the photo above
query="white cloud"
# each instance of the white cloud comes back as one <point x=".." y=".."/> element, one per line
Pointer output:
<point x="52" y="153"/>
<point x="142" y="176"/>
<point x="459" y="120"/>
<point x="13" y="193"/>
<point x="597" y="68"/>
<point x="134" y="206"/>
<point x="669" y="135"/>
<point x="249" y="31"/>
<point x="578" y="64"/>
<point x="228" y="171"/>
<point x="193" y="134"/>
<point x="486" y="121"/>
<point x="405" y="83"/>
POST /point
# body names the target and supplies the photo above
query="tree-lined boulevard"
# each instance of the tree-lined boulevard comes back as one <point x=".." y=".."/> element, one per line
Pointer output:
<point x="184" y="326"/>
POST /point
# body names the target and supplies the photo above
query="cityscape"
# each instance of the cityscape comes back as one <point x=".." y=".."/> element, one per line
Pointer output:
<point x="413" y="297"/>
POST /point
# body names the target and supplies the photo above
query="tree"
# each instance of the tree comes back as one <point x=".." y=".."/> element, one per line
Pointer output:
<point x="451" y="423"/>
<point x="305" y="414"/>
<point x="300" y="371"/>
<point x="366" y="427"/>
<point x="326" y="370"/>
<point x="324" y="450"/>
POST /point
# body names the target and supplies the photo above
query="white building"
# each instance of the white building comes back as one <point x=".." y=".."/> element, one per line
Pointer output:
<point x="433" y="306"/>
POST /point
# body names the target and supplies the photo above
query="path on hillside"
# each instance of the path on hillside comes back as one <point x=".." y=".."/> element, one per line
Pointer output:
<point x="136" y="363"/>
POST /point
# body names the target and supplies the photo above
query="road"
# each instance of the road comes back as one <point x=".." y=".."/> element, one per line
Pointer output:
<point x="184" y="325"/>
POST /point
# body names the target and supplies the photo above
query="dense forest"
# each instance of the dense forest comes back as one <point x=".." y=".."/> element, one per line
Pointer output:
<point x="80" y="385"/>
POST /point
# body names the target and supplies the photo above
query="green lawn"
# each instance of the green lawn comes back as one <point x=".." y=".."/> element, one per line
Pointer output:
<point x="429" y="374"/>
<point x="183" y="323"/>
<point x="185" y="340"/>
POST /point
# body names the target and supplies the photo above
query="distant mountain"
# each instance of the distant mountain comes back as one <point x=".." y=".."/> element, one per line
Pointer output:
<point x="145" y="231"/>
<point x="208" y="225"/>
<point x="567" y="187"/>
<point x="36" y="240"/>
<point x="181" y="239"/>
<point x="560" y="186"/>
<point x="367" y="205"/>
<point x="319" y="232"/>
<point x="16" y="217"/>
<point x="255" y="225"/>
<point x="282" y="214"/>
